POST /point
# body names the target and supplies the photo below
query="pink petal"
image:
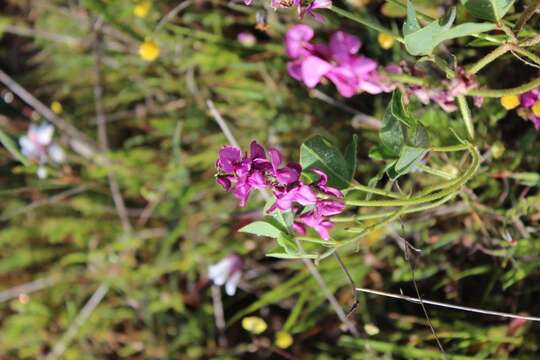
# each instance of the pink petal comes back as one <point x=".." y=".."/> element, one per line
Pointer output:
<point x="313" y="69"/>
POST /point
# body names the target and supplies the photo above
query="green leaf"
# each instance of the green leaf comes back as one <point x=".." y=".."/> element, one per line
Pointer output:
<point x="408" y="158"/>
<point x="262" y="228"/>
<point x="392" y="134"/>
<point x="318" y="152"/>
<point x="493" y="10"/>
<point x="422" y="41"/>
<point x="420" y="137"/>
<point x="10" y="146"/>
<point x="286" y="243"/>
<point x="411" y="23"/>
<point x="350" y="156"/>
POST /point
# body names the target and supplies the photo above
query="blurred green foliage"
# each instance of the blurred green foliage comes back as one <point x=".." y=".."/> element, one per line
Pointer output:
<point x="481" y="250"/>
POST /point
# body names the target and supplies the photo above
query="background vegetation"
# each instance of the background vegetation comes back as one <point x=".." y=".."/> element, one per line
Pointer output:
<point x="96" y="287"/>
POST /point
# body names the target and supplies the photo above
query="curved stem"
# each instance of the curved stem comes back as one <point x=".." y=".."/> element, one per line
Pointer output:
<point x="365" y="21"/>
<point x="532" y="56"/>
<point x="495" y="93"/>
<point x="426" y="195"/>
<point x="357" y="186"/>
<point x="405" y="78"/>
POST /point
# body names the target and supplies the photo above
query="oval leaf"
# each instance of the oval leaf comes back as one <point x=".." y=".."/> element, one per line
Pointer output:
<point x="488" y="9"/>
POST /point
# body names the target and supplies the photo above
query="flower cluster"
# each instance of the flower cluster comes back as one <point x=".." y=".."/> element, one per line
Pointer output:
<point x="351" y="73"/>
<point x="228" y="272"/>
<point x="37" y="145"/>
<point x="528" y="105"/>
<point x="312" y="204"/>
<point x="338" y="62"/>
<point x="443" y="96"/>
<point x="303" y="6"/>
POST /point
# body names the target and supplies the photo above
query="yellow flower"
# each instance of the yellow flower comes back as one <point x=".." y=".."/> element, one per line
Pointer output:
<point x="254" y="324"/>
<point x="149" y="50"/>
<point x="385" y="40"/>
<point x="141" y="9"/>
<point x="283" y="339"/>
<point x="510" y="102"/>
<point x="56" y="107"/>
<point x="536" y="108"/>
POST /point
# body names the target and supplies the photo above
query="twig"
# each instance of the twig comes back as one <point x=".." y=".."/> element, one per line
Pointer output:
<point x="329" y="296"/>
<point x="359" y="117"/>
<point x="81" y="318"/>
<point x="53" y="199"/>
<point x="102" y="127"/>
<point x="219" y="316"/>
<point x="450" y="306"/>
<point x="309" y="264"/>
<point x="407" y="247"/>
<point x="221" y="122"/>
<point x="526" y="15"/>
<point x="27" y="288"/>
<point x="78" y="140"/>
<point x="351" y="282"/>
<point x="171" y="14"/>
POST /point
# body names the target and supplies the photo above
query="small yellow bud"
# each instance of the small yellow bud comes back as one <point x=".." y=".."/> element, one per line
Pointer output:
<point x="283" y="339"/>
<point x="141" y="9"/>
<point x="510" y="102"/>
<point x="386" y="41"/>
<point x="497" y="149"/>
<point x="149" y="50"/>
<point x="536" y="108"/>
<point x="254" y="324"/>
<point x="56" y="107"/>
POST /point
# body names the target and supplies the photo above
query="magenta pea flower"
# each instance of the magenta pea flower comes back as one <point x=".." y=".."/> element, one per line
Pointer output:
<point x="227" y="272"/>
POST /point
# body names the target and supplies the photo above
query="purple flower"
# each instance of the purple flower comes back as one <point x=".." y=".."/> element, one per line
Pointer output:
<point x="528" y="98"/>
<point x="298" y="193"/>
<point x="338" y="62"/>
<point x="227" y="272"/>
<point x="301" y="6"/>
<point x="287" y="175"/>
<point x="315" y="220"/>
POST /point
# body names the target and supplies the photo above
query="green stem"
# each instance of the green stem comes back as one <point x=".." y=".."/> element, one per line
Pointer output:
<point x="365" y="21"/>
<point x="357" y="186"/>
<point x="452" y="148"/>
<point x="432" y="205"/>
<point x="466" y="114"/>
<point x="480" y="64"/>
<point x="449" y="188"/>
<point x="404" y="78"/>
<point x="435" y="172"/>
<point x="495" y="93"/>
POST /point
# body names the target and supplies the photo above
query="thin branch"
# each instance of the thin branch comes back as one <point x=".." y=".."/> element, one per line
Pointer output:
<point x="81" y="318"/>
<point x="28" y="288"/>
<point x="359" y="117"/>
<point x="78" y="140"/>
<point x="351" y="282"/>
<point x="102" y="127"/>
<point x="526" y="15"/>
<point x="219" y="316"/>
<point x="450" y="306"/>
<point x="222" y="124"/>
<point x="171" y="14"/>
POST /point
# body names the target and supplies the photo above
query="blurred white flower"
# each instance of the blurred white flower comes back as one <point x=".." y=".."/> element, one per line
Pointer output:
<point x="227" y="272"/>
<point x="37" y="145"/>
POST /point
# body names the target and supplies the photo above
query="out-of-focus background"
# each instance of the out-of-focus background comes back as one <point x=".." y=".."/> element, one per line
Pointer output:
<point x="78" y="281"/>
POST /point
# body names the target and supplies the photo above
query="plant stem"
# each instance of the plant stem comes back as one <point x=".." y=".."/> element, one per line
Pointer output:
<point x="365" y="21"/>
<point x="435" y="172"/>
<point x="480" y="64"/>
<point x="466" y="114"/>
<point x="405" y="78"/>
<point x="495" y="93"/>
<point x="357" y="186"/>
<point x="526" y="15"/>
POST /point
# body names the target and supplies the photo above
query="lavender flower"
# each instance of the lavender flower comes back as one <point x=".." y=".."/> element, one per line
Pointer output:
<point x="227" y="272"/>
<point x="37" y="145"/>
